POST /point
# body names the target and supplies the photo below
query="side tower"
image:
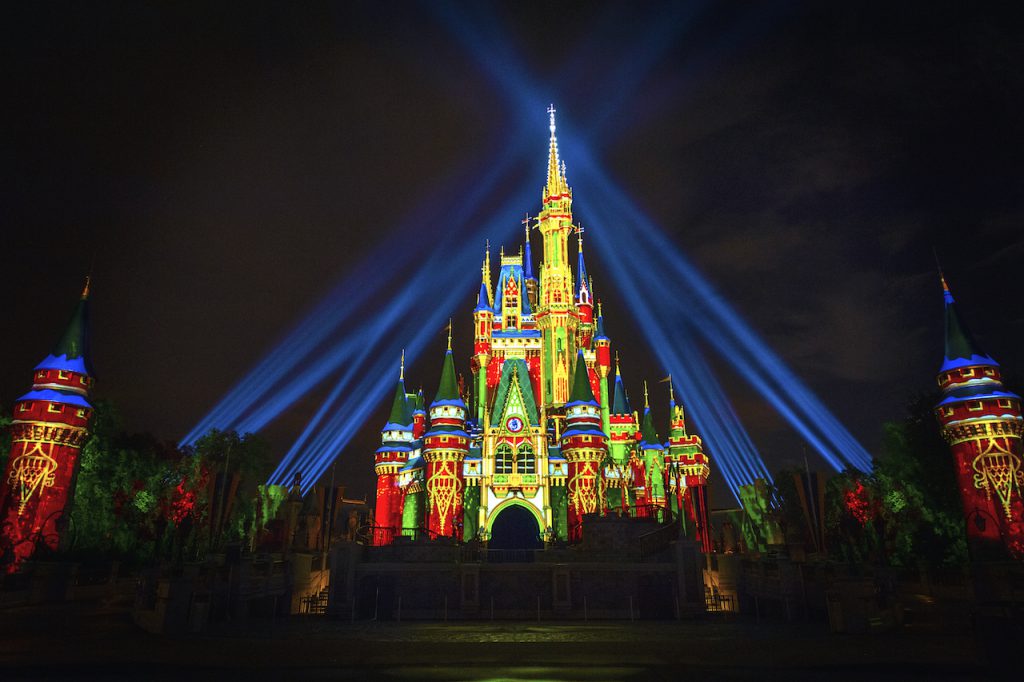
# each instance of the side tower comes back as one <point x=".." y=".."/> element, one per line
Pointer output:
<point x="48" y="429"/>
<point x="622" y="434"/>
<point x="584" y="446"/>
<point x="556" y="312"/>
<point x="981" y="421"/>
<point x="445" y="447"/>
<point x="688" y="470"/>
<point x="653" y="453"/>
<point x="396" y="443"/>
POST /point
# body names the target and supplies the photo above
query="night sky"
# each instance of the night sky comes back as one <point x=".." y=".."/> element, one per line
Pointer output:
<point x="217" y="169"/>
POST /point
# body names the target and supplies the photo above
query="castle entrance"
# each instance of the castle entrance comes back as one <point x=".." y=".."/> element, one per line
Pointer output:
<point x="515" y="527"/>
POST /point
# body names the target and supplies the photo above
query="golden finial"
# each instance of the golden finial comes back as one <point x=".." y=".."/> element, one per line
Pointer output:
<point x="599" y="313"/>
<point x="449" y="333"/>
<point x="85" y="289"/>
<point x="671" y="390"/>
<point x="554" y="177"/>
<point x="647" y="404"/>
<point x="501" y="252"/>
<point x="617" y="373"/>
<point x="401" y="367"/>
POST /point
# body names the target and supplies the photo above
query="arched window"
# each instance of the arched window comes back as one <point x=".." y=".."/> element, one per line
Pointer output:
<point x="526" y="463"/>
<point x="503" y="459"/>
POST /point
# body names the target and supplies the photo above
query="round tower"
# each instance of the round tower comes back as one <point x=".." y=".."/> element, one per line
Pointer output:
<point x="981" y="421"/>
<point x="584" y="446"/>
<point x="688" y="470"/>
<point x="445" y="447"/>
<point x="48" y="428"/>
<point x="396" y="444"/>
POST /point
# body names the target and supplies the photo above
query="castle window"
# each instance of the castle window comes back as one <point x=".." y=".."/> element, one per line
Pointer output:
<point x="527" y="463"/>
<point x="947" y="411"/>
<point x="969" y="372"/>
<point x="989" y="372"/>
<point x="81" y="414"/>
<point x="1005" y="404"/>
<point x="503" y="459"/>
<point x="61" y="374"/>
<point x="55" y="409"/>
<point x="24" y="407"/>
<point x="974" y="407"/>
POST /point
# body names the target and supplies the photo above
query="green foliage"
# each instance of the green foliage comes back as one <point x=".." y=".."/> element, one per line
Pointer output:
<point x="140" y="499"/>
<point x="910" y="503"/>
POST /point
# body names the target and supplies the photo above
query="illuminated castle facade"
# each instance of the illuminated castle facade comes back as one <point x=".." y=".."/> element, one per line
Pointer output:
<point x="981" y="421"/>
<point x="48" y="428"/>
<point x="539" y="429"/>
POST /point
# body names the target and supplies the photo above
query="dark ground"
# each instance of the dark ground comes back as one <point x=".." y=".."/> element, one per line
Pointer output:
<point x="79" y="641"/>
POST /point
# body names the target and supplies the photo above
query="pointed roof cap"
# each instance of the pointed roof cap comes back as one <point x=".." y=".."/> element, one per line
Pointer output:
<point x="647" y="431"/>
<point x="72" y="350"/>
<point x="556" y="171"/>
<point x="599" y="331"/>
<point x="581" y="268"/>
<point x="528" y="255"/>
<point x="401" y="414"/>
<point x="620" y="401"/>
<point x="448" y="390"/>
<point x="581" y="389"/>
<point x="962" y="350"/>
<point x="482" y="302"/>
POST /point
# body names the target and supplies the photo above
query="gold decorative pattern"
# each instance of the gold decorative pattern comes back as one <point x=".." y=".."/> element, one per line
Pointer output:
<point x="997" y="470"/>
<point x="444" y="487"/>
<point x="32" y="470"/>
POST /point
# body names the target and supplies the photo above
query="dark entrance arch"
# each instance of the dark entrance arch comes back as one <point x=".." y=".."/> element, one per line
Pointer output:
<point x="515" y="527"/>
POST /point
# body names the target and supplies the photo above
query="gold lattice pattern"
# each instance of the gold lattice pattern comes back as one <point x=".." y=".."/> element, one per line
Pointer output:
<point x="31" y="471"/>
<point x="444" y="487"/>
<point x="582" y="490"/>
<point x="997" y="470"/>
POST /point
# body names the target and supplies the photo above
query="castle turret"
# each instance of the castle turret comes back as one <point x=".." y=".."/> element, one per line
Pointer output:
<point x="603" y="366"/>
<point x="396" y="444"/>
<point x="445" y="447"/>
<point x="653" y="454"/>
<point x="48" y="428"/>
<point x="688" y="470"/>
<point x="531" y="280"/>
<point x="483" y="328"/>
<point x="584" y="297"/>
<point x="584" y="446"/>
<point x="981" y="421"/>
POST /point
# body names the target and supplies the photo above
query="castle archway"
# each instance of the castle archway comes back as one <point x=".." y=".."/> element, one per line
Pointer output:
<point x="515" y="525"/>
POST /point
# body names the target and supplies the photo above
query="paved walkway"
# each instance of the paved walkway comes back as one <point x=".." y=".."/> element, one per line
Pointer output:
<point x="76" y="641"/>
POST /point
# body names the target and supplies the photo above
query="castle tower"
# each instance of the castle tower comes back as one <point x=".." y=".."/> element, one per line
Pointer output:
<point x="396" y="444"/>
<point x="445" y="446"/>
<point x="48" y="429"/>
<point x="622" y="437"/>
<point x="584" y="297"/>
<point x="556" y="313"/>
<point x="653" y="455"/>
<point x="584" y="446"/>
<point x="603" y="366"/>
<point x="531" y="281"/>
<point x="688" y="470"/>
<point x="981" y="421"/>
<point x="483" y="328"/>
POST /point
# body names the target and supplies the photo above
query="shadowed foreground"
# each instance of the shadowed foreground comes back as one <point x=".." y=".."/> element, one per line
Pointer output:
<point x="89" y="642"/>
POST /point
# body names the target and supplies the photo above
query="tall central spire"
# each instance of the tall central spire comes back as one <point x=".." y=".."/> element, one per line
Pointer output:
<point x="556" y="176"/>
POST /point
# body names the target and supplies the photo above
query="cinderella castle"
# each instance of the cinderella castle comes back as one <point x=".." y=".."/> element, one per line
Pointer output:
<point x="539" y="434"/>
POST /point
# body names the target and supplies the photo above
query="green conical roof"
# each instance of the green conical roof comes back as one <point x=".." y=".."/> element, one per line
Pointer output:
<point x="581" y="390"/>
<point x="400" y="412"/>
<point x="449" y="387"/>
<point x="647" y="432"/>
<point x="72" y="350"/>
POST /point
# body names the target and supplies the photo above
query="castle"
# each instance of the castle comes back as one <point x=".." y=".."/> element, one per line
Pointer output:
<point x="539" y="430"/>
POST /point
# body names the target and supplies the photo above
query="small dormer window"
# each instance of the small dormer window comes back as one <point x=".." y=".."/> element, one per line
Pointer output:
<point x="24" y="407"/>
<point x="61" y="374"/>
<point x="1005" y="404"/>
<point x="975" y="406"/>
<point x="969" y="372"/>
<point x="989" y="372"/>
<point x="53" y="408"/>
